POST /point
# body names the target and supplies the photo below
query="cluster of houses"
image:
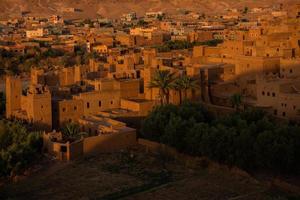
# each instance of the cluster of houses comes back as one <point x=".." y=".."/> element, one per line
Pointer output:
<point x="259" y="59"/>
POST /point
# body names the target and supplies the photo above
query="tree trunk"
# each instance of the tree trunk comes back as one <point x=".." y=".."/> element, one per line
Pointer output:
<point x="168" y="97"/>
<point x="180" y="97"/>
<point x="161" y="97"/>
<point x="185" y="94"/>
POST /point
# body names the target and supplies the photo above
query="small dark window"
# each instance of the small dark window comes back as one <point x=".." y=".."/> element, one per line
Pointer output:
<point x="294" y="107"/>
<point x="291" y="71"/>
<point x="64" y="109"/>
<point x="283" y="114"/>
<point x="273" y="94"/>
<point x="75" y="108"/>
<point x="42" y="107"/>
<point x="263" y="93"/>
<point x="268" y="93"/>
<point x="99" y="103"/>
<point x="111" y="102"/>
<point x="88" y="105"/>
<point x="63" y="149"/>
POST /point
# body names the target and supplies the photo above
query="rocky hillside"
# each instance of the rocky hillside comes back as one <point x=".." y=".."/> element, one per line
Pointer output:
<point x="114" y="8"/>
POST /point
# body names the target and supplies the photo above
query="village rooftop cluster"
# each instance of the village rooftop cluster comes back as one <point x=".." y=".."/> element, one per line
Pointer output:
<point x="252" y="54"/>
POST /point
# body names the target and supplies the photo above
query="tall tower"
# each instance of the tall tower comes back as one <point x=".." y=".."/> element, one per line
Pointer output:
<point x="39" y="108"/>
<point x="37" y="76"/>
<point x="150" y="93"/>
<point x="148" y="55"/>
<point x="13" y="90"/>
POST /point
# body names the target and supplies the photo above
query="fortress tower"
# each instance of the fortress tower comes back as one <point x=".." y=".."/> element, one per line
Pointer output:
<point x="13" y="92"/>
<point x="39" y="109"/>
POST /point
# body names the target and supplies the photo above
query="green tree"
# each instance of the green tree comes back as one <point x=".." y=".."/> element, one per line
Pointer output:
<point x="18" y="147"/>
<point x="142" y="23"/>
<point x="163" y="80"/>
<point x="194" y="137"/>
<point x="178" y="86"/>
<point x="154" y="125"/>
<point x="188" y="83"/>
<point x="236" y="101"/>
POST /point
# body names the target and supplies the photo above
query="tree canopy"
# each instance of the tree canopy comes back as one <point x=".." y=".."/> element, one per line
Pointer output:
<point x="248" y="139"/>
<point x="18" y="147"/>
<point x="178" y="44"/>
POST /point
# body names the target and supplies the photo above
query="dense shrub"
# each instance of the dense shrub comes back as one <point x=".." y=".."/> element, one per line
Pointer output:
<point x="176" y="45"/>
<point x="15" y="64"/>
<point x="18" y="147"/>
<point x="248" y="139"/>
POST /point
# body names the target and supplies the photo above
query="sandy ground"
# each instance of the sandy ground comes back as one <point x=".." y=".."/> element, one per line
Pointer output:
<point x="136" y="175"/>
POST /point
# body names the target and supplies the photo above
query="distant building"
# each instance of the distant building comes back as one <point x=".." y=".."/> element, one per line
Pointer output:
<point x="35" y="33"/>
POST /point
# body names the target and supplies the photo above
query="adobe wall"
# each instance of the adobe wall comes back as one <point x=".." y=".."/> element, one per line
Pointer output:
<point x="158" y="148"/>
<point x="232" y="48"/>
<point x="288" y="106"/>
<point x="129" y="88"/>
<point x="66" y="111"/>
<point x="13" y="88"/>
<point x="219" y="110"/>
<point x="108" y="143"/>
<point x="125" y="39"/>
<point x="142" y="107"/>
<point x="75" y="150"/>
<point x="66" y="76"/>
<point x="209" y="51"/>
<point x="289" y="68"/>
<point x="94" y="102"/>
<point x="39" y="109"/>
<point x="71" y="151"/>
<point x="105" y="39"/>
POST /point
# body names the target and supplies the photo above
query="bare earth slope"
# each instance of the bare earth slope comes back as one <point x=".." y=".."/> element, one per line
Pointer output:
<point x="114" y="8"/>
<point x="135" y="175"/>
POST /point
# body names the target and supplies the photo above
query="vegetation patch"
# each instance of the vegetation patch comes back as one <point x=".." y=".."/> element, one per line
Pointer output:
<point x="19" y="148"/>
<point x="177" y="45"/>
<point x="248" y="139"/>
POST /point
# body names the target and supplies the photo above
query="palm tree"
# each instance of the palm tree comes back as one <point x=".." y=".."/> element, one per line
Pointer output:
<point x="188" y="83"/>
<point x="178" y="86"/>
<point x="236" y="101"/>
<point x="163" y="80"/>
<point x="71" y="131"/>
